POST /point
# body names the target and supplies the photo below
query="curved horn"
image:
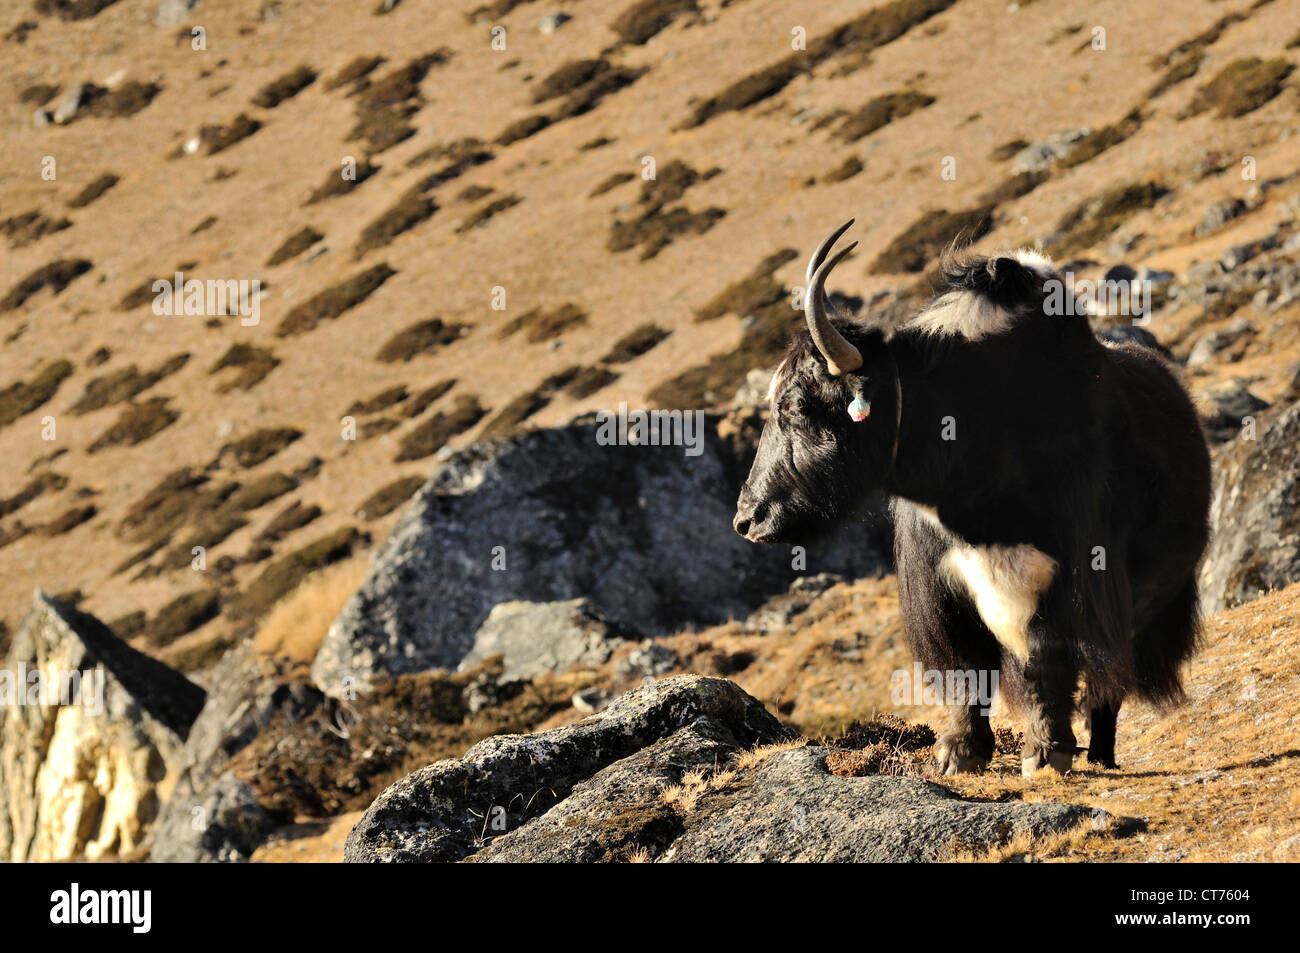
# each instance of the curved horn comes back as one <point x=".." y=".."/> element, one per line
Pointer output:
<point x="841" y="356"/>
<point x="820" y="254"/>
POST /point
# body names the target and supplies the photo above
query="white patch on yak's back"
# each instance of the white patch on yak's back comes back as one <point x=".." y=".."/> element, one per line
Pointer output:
<point x="962" y="314"/>
<point x="1005" y="583"/>
<point x="965" y="314"/>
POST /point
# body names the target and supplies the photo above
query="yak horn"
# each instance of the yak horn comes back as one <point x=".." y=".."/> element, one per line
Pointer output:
<point x="820" y="254"/>
<point x="841" y="356"/>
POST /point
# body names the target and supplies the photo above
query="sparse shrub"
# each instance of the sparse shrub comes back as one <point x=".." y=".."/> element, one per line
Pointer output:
<point x="854" y="40"/>
<point x="68" y="520"/>
<point x="355" y="72"/>
<point x="424" y="399"/>
<point x="283" y="576"/>
<point x="423" y="337"/>
<point x="646" y="18"/>
<point x="544" y="325"/>
<point x="516" y="412"/>
<point x="336" y="185"/>
<point x="522" y="129"/>
<point x="93" y="190"/>
<point x="208" y="532"/>
<point x="257" y="447"/>
<point x="38" y="94"/>
<point x="567" y="78"/>
<point x="472" y="193"/>
<point x="127" y="627"/>
<point x="635" y="343"/>
<point x="758" y="297"/>
<point x="929" y="235"/>
<point x="220" y="138"/>
<point x="143" y="293"/>
<point x="382" y="401"/>
<point x="410" y="210"/>
<point x="482" y="215"/>
<point x="1018" y="185"/>
<point x="294" y="245"/>
<point x="403" y="83"/>
<point x="22" y="230"/>
<point x="118" y="103"/>
<point x="1240" y="87"/>
<point x="615" y="180"/>
<point x="137" y="423"/>
<point x="1093" y="220"/>
<point x="589" y="380"/>
<point x="177" y="496"/>
<point x="123" y="384"/>
<point x="333" y="302"/>
<point x="1009" y="150"/>
<point x="1102" y="139"/>
<point x="284" y="87"/>
<point x="429" y="437"/>
<point x="389" y="497"/>
<point x="254" y="363"/>
<point x="45" y="482"/>
<point x="880" y="112"/>
<point x="23" y="397"/>
<point x="383" y="127"/>
<point x="261" y="491"/>
<point x="845" y="170"/>
<point x="69" y="10"/>
<point x="56" y="276"/>
<point x="182" y="615"/>
<point x="292" y="517"/>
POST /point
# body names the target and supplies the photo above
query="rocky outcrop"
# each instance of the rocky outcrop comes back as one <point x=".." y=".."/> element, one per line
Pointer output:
<point x="659" y="775"/>
<point x="212" y="814"/>
<point x="91" y="735"/>
<point x="1255" y="514"/>
<point x="642" y="532"/>
<point x="537" y="637"/>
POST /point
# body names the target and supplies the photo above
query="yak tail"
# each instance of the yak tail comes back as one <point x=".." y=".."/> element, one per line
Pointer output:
<point x="1164" y="644"/>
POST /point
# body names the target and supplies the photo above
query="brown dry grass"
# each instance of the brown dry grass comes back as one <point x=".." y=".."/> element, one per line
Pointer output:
<point x="251" y="195"/>
<point x="295" y="628"/>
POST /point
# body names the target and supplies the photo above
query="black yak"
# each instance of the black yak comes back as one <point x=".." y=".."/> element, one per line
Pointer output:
<point x="1050" y="494"/>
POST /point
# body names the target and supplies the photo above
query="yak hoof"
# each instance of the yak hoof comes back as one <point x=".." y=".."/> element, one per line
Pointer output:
<point x="955" y="756"/>
<point x="1058" y="761"/>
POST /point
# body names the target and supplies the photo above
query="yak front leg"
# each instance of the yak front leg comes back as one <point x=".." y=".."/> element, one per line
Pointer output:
<point x="1050" y="679"/>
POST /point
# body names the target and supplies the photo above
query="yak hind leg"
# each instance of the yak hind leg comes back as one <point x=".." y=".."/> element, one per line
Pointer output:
<point x="1102" y="719"/>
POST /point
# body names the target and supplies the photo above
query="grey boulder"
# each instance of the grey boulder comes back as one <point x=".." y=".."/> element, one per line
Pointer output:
<point x="1255" y="513"/>
<point x="659" y="776"/>
<point x="641" y="532"/>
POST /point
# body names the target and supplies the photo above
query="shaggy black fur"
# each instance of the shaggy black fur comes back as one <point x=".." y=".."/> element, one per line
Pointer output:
<point x="1062" y="443"/>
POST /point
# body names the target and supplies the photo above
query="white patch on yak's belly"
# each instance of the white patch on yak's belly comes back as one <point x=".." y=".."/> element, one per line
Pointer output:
<point x="1005" y="583"/>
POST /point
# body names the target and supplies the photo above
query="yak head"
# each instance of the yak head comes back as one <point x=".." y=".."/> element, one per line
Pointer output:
<point x="831" y="434"/>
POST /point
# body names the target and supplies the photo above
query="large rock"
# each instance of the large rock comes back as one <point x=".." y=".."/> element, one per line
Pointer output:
<point x="642" y="532"/>
<point x="537" y="637"/>
<point x="1255" y="515"/>
<point x="213" y="815"/>
<point x="441" y="812"/>
<point x="656" y="776"/>
<point x="794" y="809"/>
<point x="82" y="774"/>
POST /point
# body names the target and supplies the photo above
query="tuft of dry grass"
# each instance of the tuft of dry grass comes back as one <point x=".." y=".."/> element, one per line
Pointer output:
<point x="284" y="87"/>
<point x="333" y="302"/>
<point x="1240" y="87"/>
<point x="297" y="624"/>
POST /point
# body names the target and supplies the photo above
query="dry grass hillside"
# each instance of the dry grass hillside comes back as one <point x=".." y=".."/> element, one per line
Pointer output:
<point x="515" y="176"/>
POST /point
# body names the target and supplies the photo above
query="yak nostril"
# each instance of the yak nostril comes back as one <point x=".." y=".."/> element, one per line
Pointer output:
<point x="741" y="524"/>
<point x="760" y="514"/>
